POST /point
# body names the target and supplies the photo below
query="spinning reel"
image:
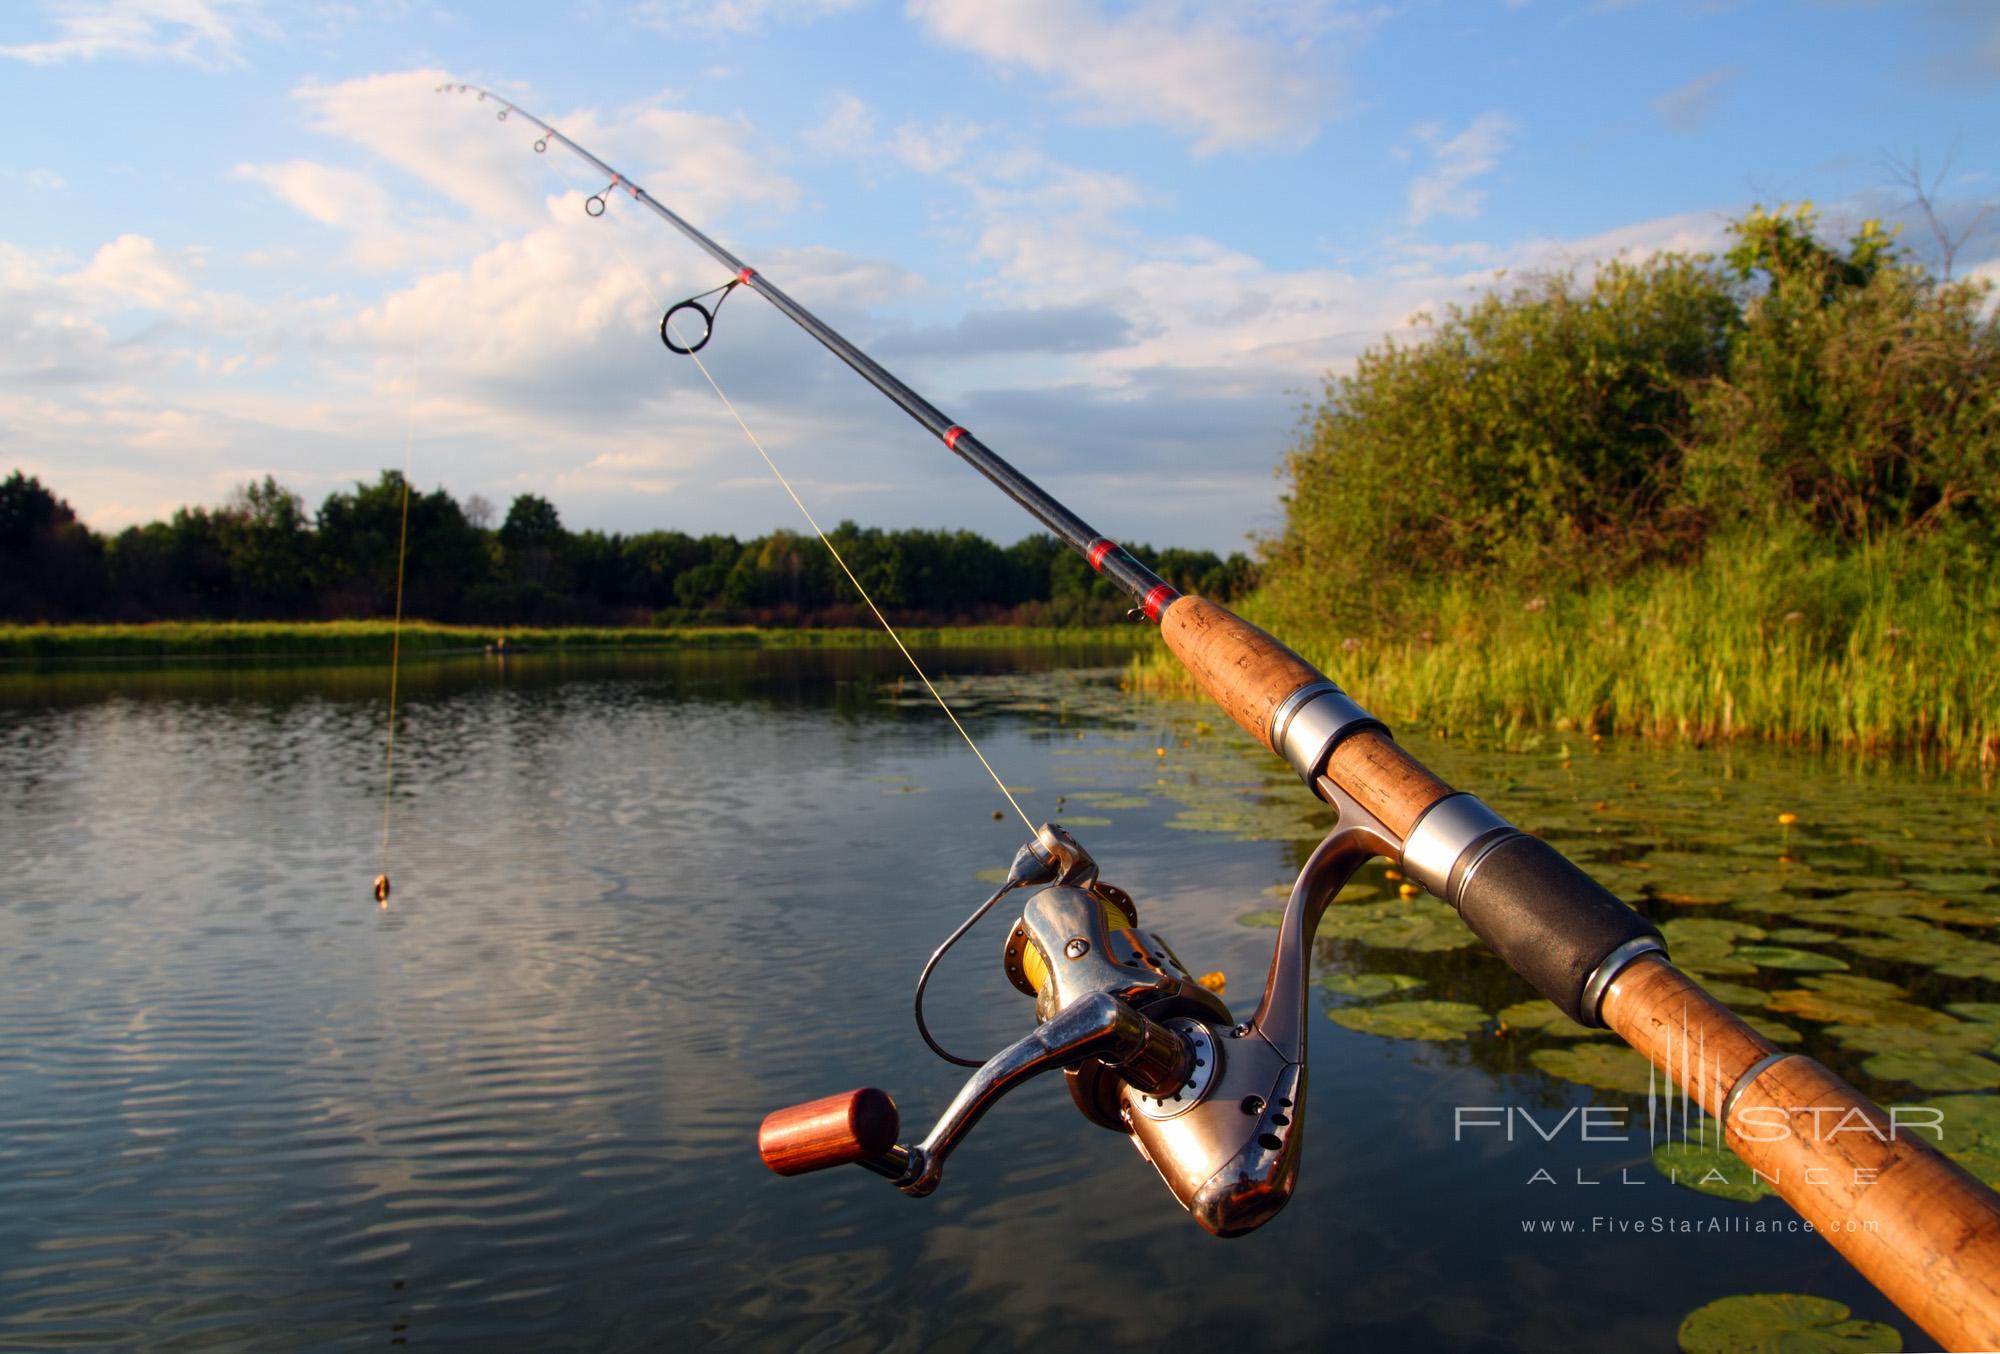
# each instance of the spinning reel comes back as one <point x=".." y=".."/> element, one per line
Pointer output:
<point x="1217" y="1106"/>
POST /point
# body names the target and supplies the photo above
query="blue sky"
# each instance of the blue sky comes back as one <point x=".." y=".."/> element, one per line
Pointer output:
<point x="1123" y="242"/>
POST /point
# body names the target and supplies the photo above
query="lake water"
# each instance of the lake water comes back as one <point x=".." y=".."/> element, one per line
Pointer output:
<point x="640" y="901"/>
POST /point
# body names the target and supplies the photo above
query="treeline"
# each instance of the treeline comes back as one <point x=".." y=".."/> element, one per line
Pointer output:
<point x="264" y="556"/>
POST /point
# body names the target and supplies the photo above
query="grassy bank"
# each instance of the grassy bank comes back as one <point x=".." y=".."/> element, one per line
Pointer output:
<point x="372" y="639"/>
<point x="1774" y="639"/>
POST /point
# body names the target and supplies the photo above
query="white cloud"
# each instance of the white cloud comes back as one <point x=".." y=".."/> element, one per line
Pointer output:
<point x="46" y="181"/>
<point x="937" y="147"/>
<point x="494" y="185"/>
<point x="847" y="130"/>
<point x="521" y="366"/>
<point x="436" y="138"/>
<point x="330" y="196"/>
<point x="1458" y="159"/>
<point x="1228" y="82"/>
<point x="730" y="16"/>
<point x="1685" y="108"/>
<point x="384" y="236"/>
<point x="201" y="32"/>
<point x="132" y="272"/>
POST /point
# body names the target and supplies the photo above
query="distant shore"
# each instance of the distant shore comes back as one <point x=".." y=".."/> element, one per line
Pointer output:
<point x="374" y="639"/>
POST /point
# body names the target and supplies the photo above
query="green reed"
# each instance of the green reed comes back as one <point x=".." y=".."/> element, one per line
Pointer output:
<point x="1880" y="648"/>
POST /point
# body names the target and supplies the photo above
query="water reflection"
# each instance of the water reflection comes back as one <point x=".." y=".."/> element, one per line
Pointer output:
<point x="642" y="899"/>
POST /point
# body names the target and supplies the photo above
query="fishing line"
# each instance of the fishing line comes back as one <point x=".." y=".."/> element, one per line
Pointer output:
<point x="673" y="339"/>
<point x="915" y="666"/>
<point x="395" y="658"/>
<point x="692" y="350"/>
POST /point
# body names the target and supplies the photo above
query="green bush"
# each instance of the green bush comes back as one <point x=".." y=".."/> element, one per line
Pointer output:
<point x="1539" y="428"/>
<point x="1862" y="395"/>
<point x="1689" y="498"/>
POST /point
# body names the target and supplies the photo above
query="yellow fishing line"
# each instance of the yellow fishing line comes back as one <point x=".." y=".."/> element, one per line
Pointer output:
<point x="395" y="660"/>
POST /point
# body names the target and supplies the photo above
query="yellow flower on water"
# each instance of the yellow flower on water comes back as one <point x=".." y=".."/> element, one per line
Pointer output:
<point x="1214" y="982"/>
<point x="1787" y="819"/>
<point x="1408" y="890"/>
<point x="1159" y="752"/>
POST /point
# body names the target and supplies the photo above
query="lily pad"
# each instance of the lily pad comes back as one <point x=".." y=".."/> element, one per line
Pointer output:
<point x="1960" y="885"/>
<point x="1783" y="1323"/>
<point x="1986" y="1012"/>
<point x="1973" y="959"/>
<point x="1845" y="999"/>
<point x="1951" y="1037"/>
<point x="1929" y="946"/>
<point x="1696" y="930"/>
<point x="1773" y="1030"/>
<point x="1736" y="995"/>
<point x="1784" y="957"/>
<point x="1109" y="799"/>
<point x="1936" y="1070"/>
<point x="1263" y="917"/>
<point x="1705" y="945"/>
<point x="1368" y="985"/>
<point x="1441" y="1020"/>
<point x="1605" y="1066"/>
<point x="1414" y="924"/>
<point x="1801" y="935"/>
<point x="1544" y="1018"/>
<point x="1710" y="1170"/>
<point x="1707" y="963"/>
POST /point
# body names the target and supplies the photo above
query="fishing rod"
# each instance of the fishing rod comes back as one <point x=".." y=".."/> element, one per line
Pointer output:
<point x="1217" y="1105"/>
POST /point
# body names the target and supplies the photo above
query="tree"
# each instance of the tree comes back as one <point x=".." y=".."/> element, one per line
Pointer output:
<point x="51" y="565"/>
<point x="534" y="547"/>
<point x="268" y="545"/>
<point x="1861" y="395"/>
<point x="1537" y="431"/>
<point x="358" y="535"/>
<point x="28" y="514"/>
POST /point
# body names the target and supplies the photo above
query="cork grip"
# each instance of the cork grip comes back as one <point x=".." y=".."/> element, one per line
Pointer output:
<point x="1915" y="1224"/>
<point x="1243" y="669"/>
<point x="833" y="1131"/>
<point x="1249" y="674"/>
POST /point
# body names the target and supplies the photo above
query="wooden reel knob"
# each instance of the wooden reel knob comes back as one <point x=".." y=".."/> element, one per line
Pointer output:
<point x="835" y="1130"/>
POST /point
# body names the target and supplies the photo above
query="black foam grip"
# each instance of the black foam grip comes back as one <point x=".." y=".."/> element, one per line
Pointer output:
<point x="1550" y="921"/>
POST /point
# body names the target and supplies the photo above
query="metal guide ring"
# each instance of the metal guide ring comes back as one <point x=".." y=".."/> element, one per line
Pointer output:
<point x="541" y="145"/>
<point x="707" y="327"/>
<point x="594" y="205"/>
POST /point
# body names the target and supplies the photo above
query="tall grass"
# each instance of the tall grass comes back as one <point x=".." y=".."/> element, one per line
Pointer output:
<point x="1773" y="638"/>
<point x="371" y="639"/>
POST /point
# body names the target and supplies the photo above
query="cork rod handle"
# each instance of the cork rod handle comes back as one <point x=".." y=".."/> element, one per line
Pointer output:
<point x="1914" y="1223"/>
<point x="1249" y="674"/>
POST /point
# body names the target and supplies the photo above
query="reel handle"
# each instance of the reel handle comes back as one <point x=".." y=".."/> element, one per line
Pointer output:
<point x="837" y="1130"/>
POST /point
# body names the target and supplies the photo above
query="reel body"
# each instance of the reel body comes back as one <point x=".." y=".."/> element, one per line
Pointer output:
<point x="1216" y="1106"/>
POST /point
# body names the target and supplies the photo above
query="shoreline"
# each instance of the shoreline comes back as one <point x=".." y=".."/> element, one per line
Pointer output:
<point x="22" y="645"/>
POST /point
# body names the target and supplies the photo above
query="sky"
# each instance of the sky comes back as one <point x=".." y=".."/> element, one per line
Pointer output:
<point x="1125" y="243"/>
